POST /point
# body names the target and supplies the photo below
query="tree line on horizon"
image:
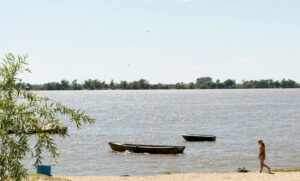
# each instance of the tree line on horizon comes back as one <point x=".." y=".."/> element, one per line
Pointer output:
<point x="201" y="83"/>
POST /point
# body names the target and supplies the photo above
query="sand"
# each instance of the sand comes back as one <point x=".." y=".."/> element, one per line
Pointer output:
<point x="251" y="176"/>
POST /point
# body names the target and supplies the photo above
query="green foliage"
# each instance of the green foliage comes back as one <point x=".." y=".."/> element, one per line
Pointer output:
<point x="75" y="85"/>
<point x="190" y="85"/>
<point x="123" y="85"/>
<point x="94" y="84"/>
<point x="201" y="83"/>
<point x="65" y="85"/>
<point x="22" y="111"/>
<point x="229" y="84"/>
<point x="288" y="83"/>
<point x="180" y="85"/>
<point x="143" y="84"/>
<point x="111" y="84"/>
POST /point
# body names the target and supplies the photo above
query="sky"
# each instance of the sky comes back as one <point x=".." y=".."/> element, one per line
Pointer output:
<point x="163" y="41"/>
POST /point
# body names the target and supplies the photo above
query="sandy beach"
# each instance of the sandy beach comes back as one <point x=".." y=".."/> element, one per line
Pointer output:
<point x="251" y="176"/>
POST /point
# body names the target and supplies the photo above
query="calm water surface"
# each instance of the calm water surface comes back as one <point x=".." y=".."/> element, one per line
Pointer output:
<point x="237" y="117"/>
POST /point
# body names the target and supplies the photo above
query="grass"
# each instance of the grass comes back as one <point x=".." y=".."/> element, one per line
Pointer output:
<point x="286" y="170"/>
<point x="40" y="177"/>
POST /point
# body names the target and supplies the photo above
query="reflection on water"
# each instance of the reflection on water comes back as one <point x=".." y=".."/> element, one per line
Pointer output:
<point x="237" y="117"/>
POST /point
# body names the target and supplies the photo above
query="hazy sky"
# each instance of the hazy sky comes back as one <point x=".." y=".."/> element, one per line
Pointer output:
<point x="160" y="40"/>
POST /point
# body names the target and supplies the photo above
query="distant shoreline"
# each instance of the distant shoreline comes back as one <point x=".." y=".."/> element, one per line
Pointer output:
<point x="167" y="89"/>
<point x="142" y="84"/>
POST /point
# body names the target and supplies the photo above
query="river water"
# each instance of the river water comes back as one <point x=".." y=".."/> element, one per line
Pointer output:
<point x="237" y="117"/>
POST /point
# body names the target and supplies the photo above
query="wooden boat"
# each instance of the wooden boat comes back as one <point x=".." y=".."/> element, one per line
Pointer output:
<point x="198" y="137"/>
<point x="155" y="149"/>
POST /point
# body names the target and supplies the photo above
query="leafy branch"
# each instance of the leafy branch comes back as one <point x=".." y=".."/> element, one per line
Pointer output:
<point x="23" y="113"/>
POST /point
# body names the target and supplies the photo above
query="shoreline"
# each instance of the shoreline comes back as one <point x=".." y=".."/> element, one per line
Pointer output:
<point x="230" y="176"/>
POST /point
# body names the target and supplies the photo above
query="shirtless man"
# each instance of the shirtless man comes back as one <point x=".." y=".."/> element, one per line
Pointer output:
<point x="262" y="156"/>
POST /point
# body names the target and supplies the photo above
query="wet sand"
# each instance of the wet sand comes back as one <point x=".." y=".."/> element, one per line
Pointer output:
<point x="251" y="176"/>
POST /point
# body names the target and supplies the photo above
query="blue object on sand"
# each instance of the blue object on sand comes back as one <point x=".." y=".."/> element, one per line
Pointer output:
<point x="44" y="169"/>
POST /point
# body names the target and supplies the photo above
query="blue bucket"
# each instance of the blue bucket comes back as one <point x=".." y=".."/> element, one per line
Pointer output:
<point x="44" y="169"/>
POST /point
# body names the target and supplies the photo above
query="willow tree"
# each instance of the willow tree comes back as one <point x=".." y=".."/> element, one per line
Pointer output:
<point x="22" y="112"/>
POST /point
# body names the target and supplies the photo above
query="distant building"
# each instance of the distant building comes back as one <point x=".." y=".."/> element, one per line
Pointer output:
<point x="204" y="79"/>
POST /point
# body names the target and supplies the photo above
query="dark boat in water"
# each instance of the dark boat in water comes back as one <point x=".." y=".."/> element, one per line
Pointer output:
<point x="155" y="149"/>
<point x="198" y="137"/>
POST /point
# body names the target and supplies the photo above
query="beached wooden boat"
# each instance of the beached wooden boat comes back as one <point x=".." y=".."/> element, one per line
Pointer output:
<point x="155" y="149"/>
<point x="198" y="137"/>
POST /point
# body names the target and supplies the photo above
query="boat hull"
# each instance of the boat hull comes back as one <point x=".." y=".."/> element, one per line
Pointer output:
<point x="153" y="149"/>
<point x="199" y="137"/>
